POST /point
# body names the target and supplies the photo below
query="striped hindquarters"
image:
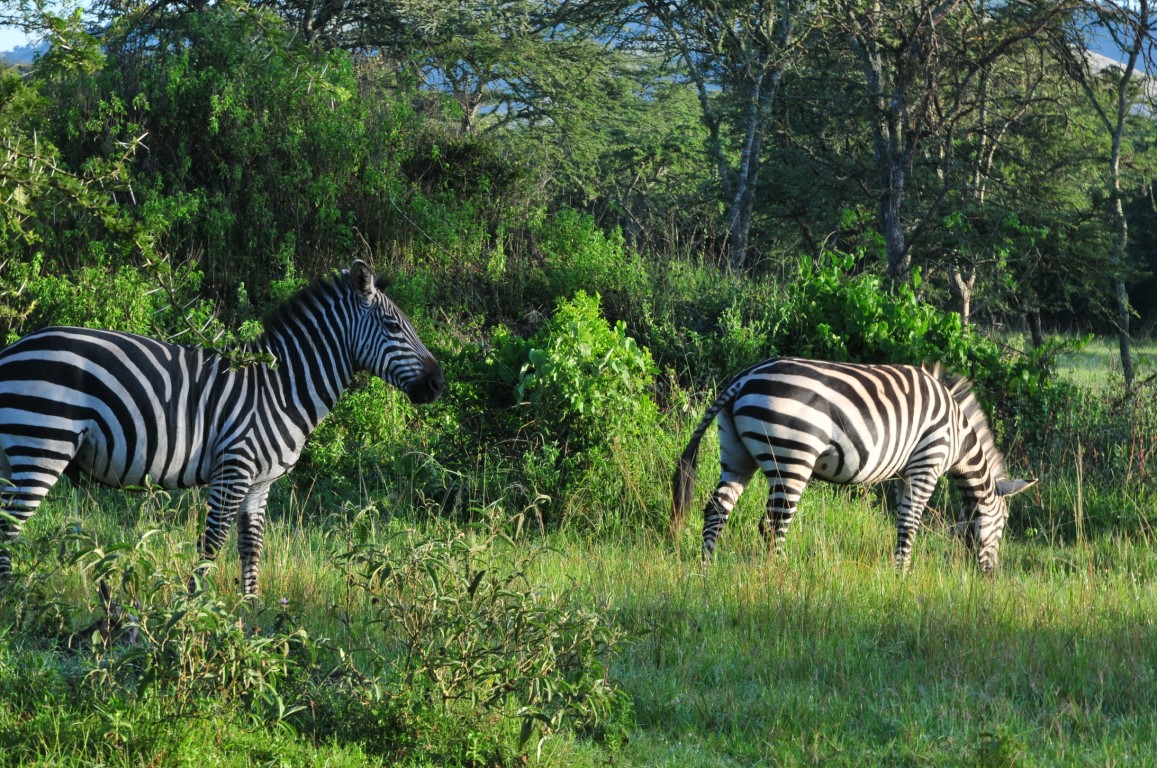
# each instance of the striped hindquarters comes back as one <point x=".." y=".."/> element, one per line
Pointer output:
<point x="125" y="407"/>
<point x="843" y="422"/>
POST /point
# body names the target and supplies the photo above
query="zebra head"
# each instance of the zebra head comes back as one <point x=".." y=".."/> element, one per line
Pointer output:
<point x="982" y="522"/>
<point x="386" y="344"/>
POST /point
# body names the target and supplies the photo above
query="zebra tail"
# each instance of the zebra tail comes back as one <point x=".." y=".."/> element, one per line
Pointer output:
<point x="683" y="483"/>
<point x="5" y="467"/>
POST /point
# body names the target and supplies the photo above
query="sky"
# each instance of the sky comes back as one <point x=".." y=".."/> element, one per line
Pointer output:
<point x="11" y="37"/>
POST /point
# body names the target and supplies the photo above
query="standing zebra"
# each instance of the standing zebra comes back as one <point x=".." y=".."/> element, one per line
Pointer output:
<point x="129" y="410"/>
<point x="847" y="423"/>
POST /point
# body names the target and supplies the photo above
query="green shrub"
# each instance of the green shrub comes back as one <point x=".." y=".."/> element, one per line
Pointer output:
<point x="706" y="324"/>
<point x="835" y="314"/>
<point x="370" y="426"/>
<point x="580" y="386"/>
<point x="467" y="636"/>
<point x="577" y="255"/>
<point x="181" y="653"/>
<point x="191" y="651"/>
<point x="585" y="380"/>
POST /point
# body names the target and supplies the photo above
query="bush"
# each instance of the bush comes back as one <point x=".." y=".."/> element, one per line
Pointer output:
<point x="835" y="314"/>
<point x="584" y="380"/>
<point x="123" y="298"/>
<point x="371" y="425"/>
<point x="181" y="653"/>
<point x="580" y="387"/>
<point x="578" y="256"/>
<point x="468" y="637"/>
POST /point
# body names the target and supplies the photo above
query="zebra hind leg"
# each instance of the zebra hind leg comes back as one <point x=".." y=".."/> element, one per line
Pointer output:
<point x="23" y="485"/>
<point x="719" y="507"/>
<point x="737" y="467"/>
<point x="781" y="505"/>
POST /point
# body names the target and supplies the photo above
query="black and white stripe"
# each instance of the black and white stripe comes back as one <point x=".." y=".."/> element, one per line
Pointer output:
<point x="130" y="410"/>
<point x="797" y="419"/>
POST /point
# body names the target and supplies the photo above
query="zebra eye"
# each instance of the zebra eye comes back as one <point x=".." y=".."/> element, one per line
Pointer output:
<point x="393" y="327"/>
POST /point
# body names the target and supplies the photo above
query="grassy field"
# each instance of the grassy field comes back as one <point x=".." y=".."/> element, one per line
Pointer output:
<point x="824" y="657"/>
<point x="1098" y="364"/>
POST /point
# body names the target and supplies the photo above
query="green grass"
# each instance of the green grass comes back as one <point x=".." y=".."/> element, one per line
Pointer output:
<point x="826" y="657"/>
<point x="1097" y="365"/>
<point x="823" y="657"/>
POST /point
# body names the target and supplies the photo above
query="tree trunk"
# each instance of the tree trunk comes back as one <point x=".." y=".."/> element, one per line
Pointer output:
<point x="1035" y="332"/>
<point x="888" y="147"/>
<point x="747" y="175"/>
<point x="1124" y="343"/>
<point x="899" y="259"/>
<point x="1119" y="256"/>
<point x="962" y="287"/>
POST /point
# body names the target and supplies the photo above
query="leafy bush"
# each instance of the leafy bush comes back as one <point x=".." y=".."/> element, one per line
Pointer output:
<point x="190" y="650"/>
<point x="371" y="425"/>
<point x="835" y="314"/>
<point x="579" y="256"/>
<point x="467" y="635"/>
<point x="584" y="380"/>
<point x="706" y="324"/>
<point x="123" y="298"/>
<point x="184" y="653"/>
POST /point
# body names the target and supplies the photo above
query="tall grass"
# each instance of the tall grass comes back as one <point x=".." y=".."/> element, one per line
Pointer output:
<point x="825" y="656"/>
<point x="822" y="657"/>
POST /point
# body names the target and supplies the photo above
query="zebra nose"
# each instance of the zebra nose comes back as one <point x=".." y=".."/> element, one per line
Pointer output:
<point x="429" y="386"/>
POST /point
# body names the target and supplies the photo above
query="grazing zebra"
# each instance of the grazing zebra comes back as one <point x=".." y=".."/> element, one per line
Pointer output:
<point x="847" y="423"/>
<point x="130" y="410"/>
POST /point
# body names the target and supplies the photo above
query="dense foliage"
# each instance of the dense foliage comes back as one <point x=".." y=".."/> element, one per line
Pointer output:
<point x="595" y="213"/>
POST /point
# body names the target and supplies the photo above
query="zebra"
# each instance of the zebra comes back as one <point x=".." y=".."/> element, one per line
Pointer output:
<point x="851" y="423"/>
<point x="131" y="410"/>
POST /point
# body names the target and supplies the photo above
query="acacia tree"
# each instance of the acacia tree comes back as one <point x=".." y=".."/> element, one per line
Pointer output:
<point x="922" y="63"/>
<point x="1113" y="91"/>
<point x="734" y="54"/>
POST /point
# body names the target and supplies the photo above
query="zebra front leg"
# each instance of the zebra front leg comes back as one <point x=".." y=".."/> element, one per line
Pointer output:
<point x="224" y="500"/>
<point x="251" y="536"/>
<point x="719" y="507"/>
<point x="913" y="500"/>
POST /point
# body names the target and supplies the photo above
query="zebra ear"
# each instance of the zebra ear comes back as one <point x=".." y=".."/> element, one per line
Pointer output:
<point x="1013" y="487"/>
<point x="363" y="278"/>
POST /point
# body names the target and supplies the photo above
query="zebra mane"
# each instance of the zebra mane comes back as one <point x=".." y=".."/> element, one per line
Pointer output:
<point x="961" y="390"/>
<point x="278" y="318"/>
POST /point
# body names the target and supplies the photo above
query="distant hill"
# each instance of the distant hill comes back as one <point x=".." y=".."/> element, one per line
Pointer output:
<point x="23" y="54"/>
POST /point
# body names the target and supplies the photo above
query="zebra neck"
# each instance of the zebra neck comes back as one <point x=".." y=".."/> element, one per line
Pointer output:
<point x="310" y="373"/>
<point x="973" y="475"/>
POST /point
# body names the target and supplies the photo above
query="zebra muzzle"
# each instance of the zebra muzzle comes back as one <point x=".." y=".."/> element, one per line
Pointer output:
<point x="429" y="385"/>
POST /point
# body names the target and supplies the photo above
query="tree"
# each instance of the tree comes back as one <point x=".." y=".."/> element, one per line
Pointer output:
<point x="735" y="55"/>
<point x="1113" y="92"/>
<point x="922" y="63"/>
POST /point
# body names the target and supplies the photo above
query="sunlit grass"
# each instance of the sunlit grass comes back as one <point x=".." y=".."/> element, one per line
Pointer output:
<point x="826" y="656"/>
<point x="1097" y="365"/>
<point x="823" y="657"/>
<point x="831" y="657"/>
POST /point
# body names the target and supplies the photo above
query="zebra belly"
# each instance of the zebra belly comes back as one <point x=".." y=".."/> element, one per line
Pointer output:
<point x="831" y="455"/>
<point x="97" y="459"/>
